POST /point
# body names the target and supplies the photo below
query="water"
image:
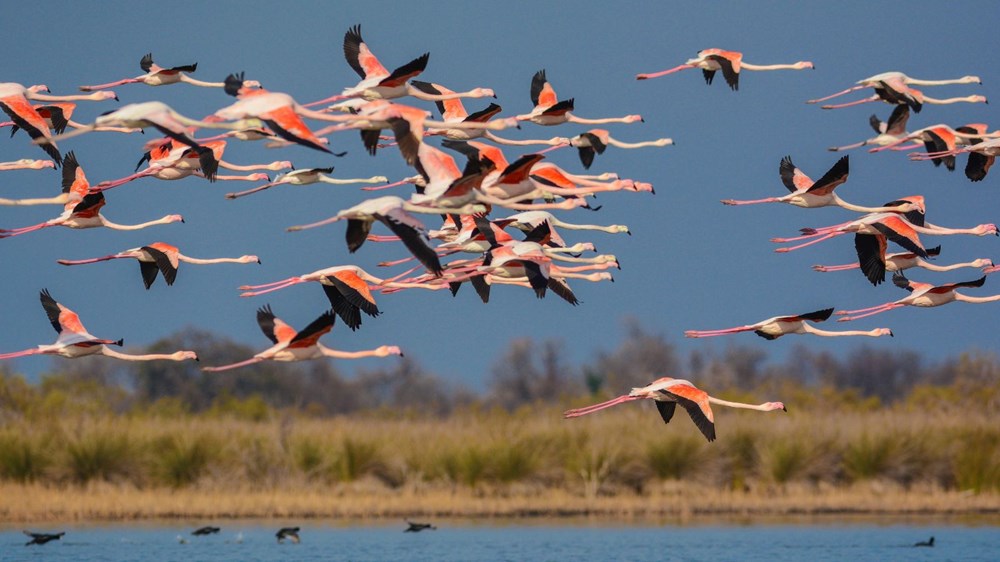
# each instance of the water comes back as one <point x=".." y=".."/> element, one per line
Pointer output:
<point x="242" y="541"/>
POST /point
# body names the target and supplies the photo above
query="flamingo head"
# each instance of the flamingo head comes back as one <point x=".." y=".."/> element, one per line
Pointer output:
<point x="970" y="80"/>
<point x="281" y="165"/>
<point x="104" y="95"/>
<point x="633" y="119"/>
<point x="36" y="164"/>
<point x="38" y="88"/>
<point x="983" y="262"/>
<point x="259" y="176"/>
<point x="771" y="406"/>
<point x="184" y="356"/>
<point x="248" y="259"/>
<point x="879" y="332"/>
<point x="978" y="99"/>
<point x="803" y="65"/>
<point x="482" y="93"/>
<point x="984" y="229"/>
<point x="173" y="218"/>
<point x="387" y="350"/>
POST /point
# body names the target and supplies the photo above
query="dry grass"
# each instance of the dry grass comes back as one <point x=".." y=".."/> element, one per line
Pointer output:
<point x="623" y="462"/>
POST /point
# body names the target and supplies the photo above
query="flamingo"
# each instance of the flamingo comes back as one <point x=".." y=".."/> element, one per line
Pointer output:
<point x="156" y="75"/>
<point x="159" y="257"/>
<point x="907" y="260"/>
<point x="87" y="214"/>
<point x="58" y="116"/>
<point x="74" y="186"/>
<point x="346" y="286"/>
<point x="774" y="328"/>
<point x="378" y="83"/>
<point x="981" y="157"/>
<point x="730" y="63"/>
<point x="873" y="223"/>
<point x="550" y="111"/>
<point x="806" y="193"/>
<point x="394" y="213"/>
<point x="26" y="164"/>
<point x="307" y="176"/>
<point x="893" y="87"/>
<point x="595" y="141"/>
<point x="887" y="131"/>
<point x="667" y="392"/>
<point x="74" y="340"/>
<point x="290" y="345"/>
<point x="939" y="139"/>
<point x="529" y="220"/>
<point x="14" y="102"/>
<point x="922" y="295"/>
<point x="413" y="527"/>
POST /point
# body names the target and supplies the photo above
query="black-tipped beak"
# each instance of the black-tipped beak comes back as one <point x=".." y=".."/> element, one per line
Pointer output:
<point x="891" y="335"/>
<point x="182" y="220"/>
<point x="784" y="409"/>
<point x="196" y="359"/>
<point x="116" y="97"/>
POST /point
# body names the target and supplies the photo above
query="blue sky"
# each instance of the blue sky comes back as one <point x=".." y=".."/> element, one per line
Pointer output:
<point x="692" y="263"/>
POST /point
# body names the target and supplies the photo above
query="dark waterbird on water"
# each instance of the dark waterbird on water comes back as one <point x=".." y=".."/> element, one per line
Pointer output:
<point x="417" y="527"/>
<point x="206" y="531"/>
<point x="291" y="533"/>
<point x="42" y="538"/>
<point x="928" y="542"/>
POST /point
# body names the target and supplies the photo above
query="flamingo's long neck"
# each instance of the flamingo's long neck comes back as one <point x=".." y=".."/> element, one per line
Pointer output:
<point x="963" y="80"/>
<point x="795" y="66"/>
<point x="721" y="402"/>
<point x="207" y="261"/>
<point x="115" y="226"/>
<point x="976" y="300"/>
<point x="148" y="357"/>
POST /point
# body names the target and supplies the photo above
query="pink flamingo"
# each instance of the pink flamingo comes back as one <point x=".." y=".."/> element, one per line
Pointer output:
<point x="982" y="155"/>
<point x="894" y="87"/>
<point x="307" y="176"/>
<point x="922" y="295"/>
<point x="939" y="139"/>
<point x="774" y="328"/>
<point x="74" y="340"/>
<point x="809" y="194"/>
<point x="907" y="260"/>
<point x="378" y="83"/>
<point x="596" y="141"/>
<point x="156" y="75"/>
<point x="549" y="110"/>
<point x="666" y="393"/>
<point x="887" y="131"/>
<point x="58" y="116"/>
<point x="290" y="345"/>
<point x="159" y="257"/>
<point x="730" y="63"/>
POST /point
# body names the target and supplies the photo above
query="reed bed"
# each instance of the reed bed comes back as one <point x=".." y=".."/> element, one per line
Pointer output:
<point x="494" y="463"/>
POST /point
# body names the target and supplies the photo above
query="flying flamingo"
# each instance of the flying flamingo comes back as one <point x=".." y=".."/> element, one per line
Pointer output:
<point x="86" y="214"/>
<point x="730" y="63"/>
<point x="595" y="141"/>
<point x="156" y="75"/>
<point x="290" y="345"/>
<point x="893" y="87"/>
<point x="806" y="193"/>
<point x="922" y="295"/>
<point x="394" y="213"/>
<point x="939" y="139"/>
<point x="887" y="131"/>
<point x="666" y="393"/>
<point x="160" y="257"/>
<point x="774" y="328"/>
<point x="378" y="83"/>
<point x="981" y="157"/>
<point x="74" y="340"/>
<point x="906" y="260"/>
<point x="58" y="116"/>
<point x="14" y="102"/>
<point x="550" y="111"/>
<point x="26" y="164"/>
<point x="869" y="224"/>
<point x="74" y="186"/>
<point x="307" y="176"/>
<point x="528" y="220"/>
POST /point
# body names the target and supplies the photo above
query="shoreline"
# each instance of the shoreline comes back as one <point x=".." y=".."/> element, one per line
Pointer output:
<point x="359" y="501"/>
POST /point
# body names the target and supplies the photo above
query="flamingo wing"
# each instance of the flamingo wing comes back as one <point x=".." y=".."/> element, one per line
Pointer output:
<point x="896" y="230"/>
<point x="73" y="178"/>
<point x="729" y="71"/>
<point x="52" y="309"/>
<point x="696" y="403"/>
<point x="309" y="335"/>
<point x="412" y="233"/>
<point x="288" y="125"/>
<point x="817" y="316"/>
<point x="952" y="286"/>
<point x="25" y="117"/>
<point x="357" y="233"/>
<point x="897" y="120"/>
<point x="405" y="72"/>
<point x="350" y="314"/>
<point x="146" y="62"/>
<point x="792" y="177"/>
<point x="559" y="108"/>
<point x="666" y="409"/>
<point x="359" y="57"/>
<point x="162" y="262"/>
<point x="274" y="328"/>
<point x="935" y="142"/>
<point x="900" y="280"/>
<point x="836" y="175"/>
<point x="90" y="205"/>
<point x="562" y="289"/>
<point x="56" y="115"/>
<point x="542" y="93"/>
<point x="536" y="278"/>
<point x="483" y="115"/>
<point x="148" y="271"/>
<point x="877" y="124"/>
<point x="871" y="256"/>
<point x="449" y="109"/>
<point x="978" y="166"/>
<point x="519" y="169"/>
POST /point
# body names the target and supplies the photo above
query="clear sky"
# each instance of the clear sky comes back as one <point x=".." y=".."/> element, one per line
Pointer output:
<point x="692" y="263"/>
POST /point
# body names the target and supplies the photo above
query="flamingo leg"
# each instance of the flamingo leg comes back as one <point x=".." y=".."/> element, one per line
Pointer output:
<point x="109" y="85"/>
<point x="23" y="230"/>
<point x="662" y="72"/>
<point x="24" y="353"/>
<point x="713" y="333"/>
<point x="272" y="288"/>
<point x="809" y="243"/>
<point x="577" y="412"/>
<point x="751" y="201"/>
<point x="250" y="361"/>
<point x="91" y="260"/>
<point x="871" y="312"/>
<point x="850" y="104"/>
<point x="106" y="185"/>
<point x="826" y="268"/>
<point x="838" y="94"/>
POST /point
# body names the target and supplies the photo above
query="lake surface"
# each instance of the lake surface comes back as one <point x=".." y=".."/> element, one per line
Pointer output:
<point x="517" y="540"/>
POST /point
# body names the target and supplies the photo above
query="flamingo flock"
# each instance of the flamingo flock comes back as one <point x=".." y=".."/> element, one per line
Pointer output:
<point x="498" y="212"/>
